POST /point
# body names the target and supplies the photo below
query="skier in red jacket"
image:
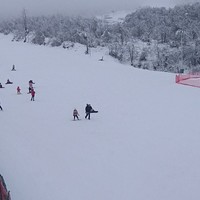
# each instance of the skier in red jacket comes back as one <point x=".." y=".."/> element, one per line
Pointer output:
<point x="18" y="90"/>
<point x="32" y="95"/>
<point x="30" y="85"/>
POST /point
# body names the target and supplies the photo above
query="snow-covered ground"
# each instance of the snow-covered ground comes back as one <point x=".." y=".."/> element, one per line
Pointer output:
<point x="143" y="144"/>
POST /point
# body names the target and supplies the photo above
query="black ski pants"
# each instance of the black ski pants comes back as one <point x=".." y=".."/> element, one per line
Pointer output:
<point x="87" y="115"/>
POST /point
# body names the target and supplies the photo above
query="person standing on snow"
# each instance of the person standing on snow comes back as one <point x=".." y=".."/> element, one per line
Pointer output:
<point x="1" y="86"/>
<point x="75" y="114"/>
<point x="88" y="109"/>
<point x="18" y="90"/>
<point x="13" y="68"/>
<point x="32" y="95"/>
<point x="30" y="85"/>
<point x="1" y="107"/>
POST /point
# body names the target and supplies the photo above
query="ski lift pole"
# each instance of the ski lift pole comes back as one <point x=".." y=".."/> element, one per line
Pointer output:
<point x="181" y="49"/>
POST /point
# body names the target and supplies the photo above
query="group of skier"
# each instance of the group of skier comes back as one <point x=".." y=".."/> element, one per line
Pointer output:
<point x="88" y="108"/>
<point x="88" y="111"/>
<point x="31" y="89"/>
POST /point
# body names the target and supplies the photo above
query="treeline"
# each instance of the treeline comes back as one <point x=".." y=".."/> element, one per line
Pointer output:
<point x="150" y="38"/>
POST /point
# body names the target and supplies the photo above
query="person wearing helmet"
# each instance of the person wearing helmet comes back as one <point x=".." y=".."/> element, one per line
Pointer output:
<point x="75" y="114"/>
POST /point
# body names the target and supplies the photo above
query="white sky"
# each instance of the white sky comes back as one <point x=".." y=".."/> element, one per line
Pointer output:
<point x="39" y="7"/>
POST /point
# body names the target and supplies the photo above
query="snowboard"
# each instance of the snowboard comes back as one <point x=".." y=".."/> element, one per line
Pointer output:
<point x="94" y="111"/>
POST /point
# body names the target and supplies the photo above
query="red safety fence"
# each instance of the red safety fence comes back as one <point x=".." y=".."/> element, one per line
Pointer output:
<point x="4" y="194"/>
<point x="191" y="79"/>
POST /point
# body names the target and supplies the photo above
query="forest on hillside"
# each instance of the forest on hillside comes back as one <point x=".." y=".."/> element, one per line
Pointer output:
<point x="149" y="38"/>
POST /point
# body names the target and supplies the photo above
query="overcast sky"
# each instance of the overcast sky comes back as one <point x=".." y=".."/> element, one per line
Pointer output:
<point x="82" y="7"/>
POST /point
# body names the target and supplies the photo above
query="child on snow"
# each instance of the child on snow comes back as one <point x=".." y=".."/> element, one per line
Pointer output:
<point x="18" y="90"/>
<point x="32" y="95"/>
<point x="75" y="114"/>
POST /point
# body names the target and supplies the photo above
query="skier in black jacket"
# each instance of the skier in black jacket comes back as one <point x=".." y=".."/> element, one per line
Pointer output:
<point x="1" y="107"/>
<point x="88" y="110"/>
<point x="1" y="86"/>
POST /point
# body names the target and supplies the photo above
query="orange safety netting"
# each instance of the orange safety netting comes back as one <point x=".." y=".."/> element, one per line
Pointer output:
<point x="3" y="192"/>
<point x="191" y="79"/>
